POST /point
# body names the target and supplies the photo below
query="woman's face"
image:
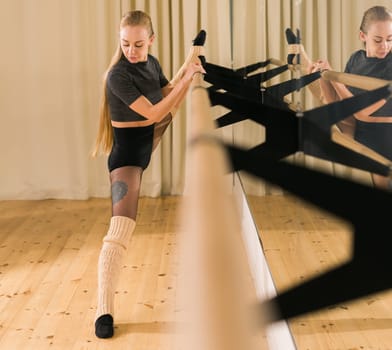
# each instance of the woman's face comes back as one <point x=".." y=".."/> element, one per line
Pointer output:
<point x="135" y="42"/>
<point x="378" y="39"/>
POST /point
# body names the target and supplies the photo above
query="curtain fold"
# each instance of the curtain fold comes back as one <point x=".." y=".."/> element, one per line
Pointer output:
<point x="54" y="54"/>
<point x="50" y="84"/>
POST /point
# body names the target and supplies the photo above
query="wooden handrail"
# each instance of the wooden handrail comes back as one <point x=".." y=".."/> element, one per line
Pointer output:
<point x="354" y="80"/>
<point x="213" y="258"/>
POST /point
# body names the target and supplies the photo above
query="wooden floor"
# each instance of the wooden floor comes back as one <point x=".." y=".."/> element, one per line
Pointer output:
<point x="48" y="258"/>
<point x="300" y="241"/>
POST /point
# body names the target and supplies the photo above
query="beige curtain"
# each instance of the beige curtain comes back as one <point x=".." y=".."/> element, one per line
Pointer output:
<point x="329" y="30"/>
<point x="54" y="53"/>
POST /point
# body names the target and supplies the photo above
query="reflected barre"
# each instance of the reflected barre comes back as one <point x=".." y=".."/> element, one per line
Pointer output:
<point x="286" y="131"/>
<point x="354" y="80"/>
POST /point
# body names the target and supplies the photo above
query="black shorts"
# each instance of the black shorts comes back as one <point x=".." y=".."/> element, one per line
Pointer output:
<point x="131" y="147"/>
<point x="377" y="136"/>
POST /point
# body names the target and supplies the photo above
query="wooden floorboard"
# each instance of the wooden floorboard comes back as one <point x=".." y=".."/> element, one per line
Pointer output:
<point x="48" y="258"/>
<point x="48" y="273"/>
<point x="301" y="241"/>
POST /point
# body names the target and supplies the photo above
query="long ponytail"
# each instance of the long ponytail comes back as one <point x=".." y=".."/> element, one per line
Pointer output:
<point x="104" y="140"/>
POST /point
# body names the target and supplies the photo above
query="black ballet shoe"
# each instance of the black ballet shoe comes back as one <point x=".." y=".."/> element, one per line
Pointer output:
<point x="200" y="38"/>
<point x="291" y="37"/>
<point x="104" y="326"/>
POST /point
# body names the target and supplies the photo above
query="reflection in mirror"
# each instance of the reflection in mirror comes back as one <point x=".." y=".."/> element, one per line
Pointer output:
<point x="301" y="239"/>
<point x="259" y="34"/>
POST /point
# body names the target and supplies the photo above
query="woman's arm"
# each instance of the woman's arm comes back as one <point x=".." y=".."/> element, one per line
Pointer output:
<point x="334" y="91"/>
<point x="166" y="91"/>
<point x="363" y="114"/>
<point x="156" y="112"/>
<point x="195" y="52"/>
<point x="193" y="56"/>
<point x="327" y="93"/>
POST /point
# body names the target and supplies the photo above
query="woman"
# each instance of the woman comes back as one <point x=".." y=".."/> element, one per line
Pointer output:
<point x="373" y="125"/>
<point x="135" y="112"/>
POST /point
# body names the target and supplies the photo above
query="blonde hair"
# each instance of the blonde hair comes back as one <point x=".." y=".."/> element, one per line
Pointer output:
<point x="374" y="14"/>
<point x="104" y="140"/>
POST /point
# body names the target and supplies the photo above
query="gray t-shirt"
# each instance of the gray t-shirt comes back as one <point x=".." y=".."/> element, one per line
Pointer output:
<point x="374" y="67"/>
<point x="377" y="136"/>
<point x="128" y="81"/>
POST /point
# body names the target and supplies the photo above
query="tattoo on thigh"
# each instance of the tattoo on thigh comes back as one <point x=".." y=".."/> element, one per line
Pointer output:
<point x="119" y="191"/>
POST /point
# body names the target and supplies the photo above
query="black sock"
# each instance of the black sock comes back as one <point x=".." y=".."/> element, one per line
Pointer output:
<point x="104" y="326"/>
<point x="200" y="38"/>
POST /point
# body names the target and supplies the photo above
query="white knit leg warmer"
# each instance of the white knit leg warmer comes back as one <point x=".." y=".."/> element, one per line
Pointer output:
<point x="115" y="243"/>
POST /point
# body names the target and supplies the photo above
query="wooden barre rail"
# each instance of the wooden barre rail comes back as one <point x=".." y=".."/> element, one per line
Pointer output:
<point x="215" y="289"/>
<point x="354" y="80"/>
<point x="276" y="62"/>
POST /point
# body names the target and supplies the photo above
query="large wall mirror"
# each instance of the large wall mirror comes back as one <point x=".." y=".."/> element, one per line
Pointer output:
<point x="329" y="30"/>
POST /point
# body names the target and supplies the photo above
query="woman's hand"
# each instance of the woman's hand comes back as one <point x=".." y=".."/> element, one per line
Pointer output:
<point x="319" y="65"/>
<point x="192" y="69"/>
